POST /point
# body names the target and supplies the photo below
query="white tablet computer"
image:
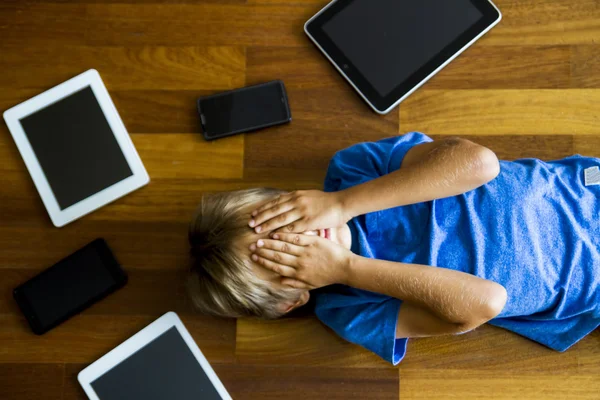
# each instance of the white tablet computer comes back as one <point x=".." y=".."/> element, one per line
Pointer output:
<point x="76" y="147"/>
<point x="386" y="49"/>
<point x="160" y="362"/>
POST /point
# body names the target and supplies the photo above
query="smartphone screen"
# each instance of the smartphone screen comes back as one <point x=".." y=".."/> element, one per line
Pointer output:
<point x="69" y="286"/>
<point x="244" y="110"/>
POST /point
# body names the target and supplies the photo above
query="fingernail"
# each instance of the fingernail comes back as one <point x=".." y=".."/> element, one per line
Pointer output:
<point x="252" y="247"/>
<point x="275" y="236"/>
<point x="251" y="223"/>
<point x="260" y="243"/>
<point x="258" y="229"/>
<point x="254" y="257"/>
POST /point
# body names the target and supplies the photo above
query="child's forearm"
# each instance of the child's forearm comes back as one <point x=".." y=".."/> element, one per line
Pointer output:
<point x="454" y="296"/>
<point x="452" y="167"/>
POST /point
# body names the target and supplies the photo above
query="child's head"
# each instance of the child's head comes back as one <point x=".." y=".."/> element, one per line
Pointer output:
<point x="224" y="281"/>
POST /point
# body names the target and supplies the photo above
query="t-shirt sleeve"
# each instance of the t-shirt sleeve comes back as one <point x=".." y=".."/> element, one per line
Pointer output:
<point x="366" y="161"/>
<point x="368" y="320"/>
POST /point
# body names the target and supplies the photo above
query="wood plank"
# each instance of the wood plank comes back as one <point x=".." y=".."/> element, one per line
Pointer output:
<point x="293" y="382"/>
<point x="500" y="384"/>
<point x="31" y="381"/>
<point x="499" y="112"/>
<point x="587" y="145"/>
<point x="152" y="245"/>
<point x="493" y="349"/>
<point x="125" y="68"/>
<point x="511" y="147"/>
<point x="85" y="338"/>
<point x="211" y="24"/>
<point x="585" y="62"/>
<point x="299" y="342"/>
<point x="275" y="24"/>
<point x="481" y="67"/>
<point x="148" y="292"/>
<point x="506" y="147"/>
<point x="190" y="156"/>
<point x="159" y="111"/>
<point x="542" y="22"/>
<point x="28" y="23"/>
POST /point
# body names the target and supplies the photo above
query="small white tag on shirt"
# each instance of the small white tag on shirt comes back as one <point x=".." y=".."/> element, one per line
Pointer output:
<point x="592" y="176"/>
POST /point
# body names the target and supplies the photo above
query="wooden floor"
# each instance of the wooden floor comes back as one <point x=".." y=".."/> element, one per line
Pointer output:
<point x="530" y="88"/>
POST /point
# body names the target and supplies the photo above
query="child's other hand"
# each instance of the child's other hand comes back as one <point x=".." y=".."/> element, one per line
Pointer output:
<point x="300" y="211"/>
<point x="304" y="262"/>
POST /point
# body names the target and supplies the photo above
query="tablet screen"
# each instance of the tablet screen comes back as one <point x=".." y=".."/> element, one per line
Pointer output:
<point x="164" y="369"/>
<point x="378" y="35"/>
<point x="75" y="147"/>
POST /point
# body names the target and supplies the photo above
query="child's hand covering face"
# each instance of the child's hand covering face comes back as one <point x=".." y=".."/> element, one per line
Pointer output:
<point x="301" y="211"/>
<point x="304" y="262"/>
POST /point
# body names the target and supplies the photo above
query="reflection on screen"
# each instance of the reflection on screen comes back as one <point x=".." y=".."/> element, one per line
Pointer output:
<point x="389" y="40"/>
<point x="75" y="147"/>
<point x="163" y="369"/>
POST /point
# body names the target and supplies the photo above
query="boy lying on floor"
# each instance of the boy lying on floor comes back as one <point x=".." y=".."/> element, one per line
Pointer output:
<point x="411" y="238"/>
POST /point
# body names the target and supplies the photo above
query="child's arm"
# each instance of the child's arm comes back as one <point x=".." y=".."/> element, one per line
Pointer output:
<point x="429" y="171"/>
<point x="437" y="301"/>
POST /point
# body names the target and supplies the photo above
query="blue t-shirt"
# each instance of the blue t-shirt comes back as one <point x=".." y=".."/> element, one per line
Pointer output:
<point x="535" y="229"/>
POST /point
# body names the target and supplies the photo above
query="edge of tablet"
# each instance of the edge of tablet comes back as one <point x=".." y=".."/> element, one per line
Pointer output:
<point x="144" y="337"/>
<point x="384" y="112"/>
<point x="139" y="177"/>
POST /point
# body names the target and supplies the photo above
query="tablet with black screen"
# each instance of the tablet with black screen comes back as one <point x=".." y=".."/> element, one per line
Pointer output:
<point x="386" y="49"/>
<point x="162" y="361"/>
<point x="76" y="148"/>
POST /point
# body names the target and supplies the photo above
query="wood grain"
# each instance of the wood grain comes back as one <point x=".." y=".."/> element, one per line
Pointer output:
<point x="296" y="341"/>
<point x="31" y="381"/>
<point x="585" y="67"/>
<point x="126" y="68"/>
<point x="529" y="88"/>
<point x="511" y="147"/>
<point x="459" y="384"/>
<point x="190" y="156"/>
<point x="540" y="22"/>
<point x="87" y="337"/>
<point x="298" y="383"/>
<point x="497" y="112"/>
<point x="491" y="349"/>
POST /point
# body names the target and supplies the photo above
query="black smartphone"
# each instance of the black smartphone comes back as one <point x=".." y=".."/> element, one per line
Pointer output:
<point x="70" y="286"/>
<point x="244" y="110"/>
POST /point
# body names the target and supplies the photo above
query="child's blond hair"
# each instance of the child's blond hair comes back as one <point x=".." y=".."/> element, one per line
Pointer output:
<point x="221" y="280"/>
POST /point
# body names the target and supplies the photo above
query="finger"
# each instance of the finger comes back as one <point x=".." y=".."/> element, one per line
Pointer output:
<point x="277" y="245"/>
<point x="277" y="257"/>
<point x="282" y="198"/>
<point x="288" y="219"/>
<point x="296" y="284"/>
<point x="295" y="238"/>
<point x="270" y="213"/>
<point x="297" y="226"/>
<point x="282" y="270"/>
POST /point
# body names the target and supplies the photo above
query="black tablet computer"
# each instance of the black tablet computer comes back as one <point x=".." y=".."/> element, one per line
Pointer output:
<point x="387" y="49"/>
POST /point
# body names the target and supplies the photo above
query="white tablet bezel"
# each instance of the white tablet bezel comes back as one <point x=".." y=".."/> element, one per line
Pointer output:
<point x="415" y="87"/>
<point x="139" y="178"/>
<point x="140" y="340"/>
